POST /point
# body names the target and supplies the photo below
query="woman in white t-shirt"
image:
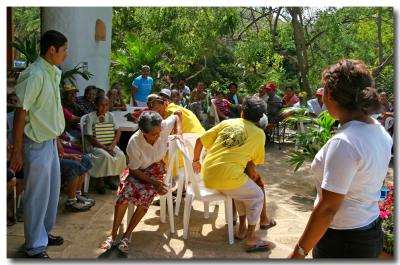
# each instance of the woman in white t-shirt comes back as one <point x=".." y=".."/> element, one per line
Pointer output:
<point x="145" y="179"/>
<point x="349" y="170"/>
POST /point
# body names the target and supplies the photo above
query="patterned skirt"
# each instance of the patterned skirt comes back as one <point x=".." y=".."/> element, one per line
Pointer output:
<point x="136" y="191"/>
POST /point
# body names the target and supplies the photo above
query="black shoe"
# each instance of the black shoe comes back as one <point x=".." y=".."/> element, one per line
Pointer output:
<point x="40" y="255"/>
<point x="77" y="206"/>
<point x="55" y="240"/>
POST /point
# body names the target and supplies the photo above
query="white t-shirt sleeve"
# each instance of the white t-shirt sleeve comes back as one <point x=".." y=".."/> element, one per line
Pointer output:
<point x="341" y="164"/>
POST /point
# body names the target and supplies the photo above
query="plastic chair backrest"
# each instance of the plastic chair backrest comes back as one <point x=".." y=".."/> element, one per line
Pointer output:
<point x="82" y="124"/>
<point x="214" y="107"/>
<point x="172" y="159"/>
<point x="192" y="177"/>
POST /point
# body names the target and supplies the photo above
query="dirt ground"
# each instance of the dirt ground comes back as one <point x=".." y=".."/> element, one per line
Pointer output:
<point x="290" y="199"/>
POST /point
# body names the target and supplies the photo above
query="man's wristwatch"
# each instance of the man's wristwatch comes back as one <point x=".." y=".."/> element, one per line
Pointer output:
<point x="301" y="251"/>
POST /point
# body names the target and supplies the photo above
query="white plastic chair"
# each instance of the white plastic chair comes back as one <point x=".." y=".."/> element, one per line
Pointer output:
<point x="214" y="109"/>
<point x="190" y="141"/>
<point x="166" y="200"/>
<point x="197" y="191"/>
<point x="87" y="176"/>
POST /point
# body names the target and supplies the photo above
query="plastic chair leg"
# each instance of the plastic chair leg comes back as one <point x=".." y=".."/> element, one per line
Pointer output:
<point x="181" y="182"/>
<point x="170" y="211"/>
<point x="129" y="214"/>
<point x="163" y="208"/>
<point x="229" y="220"/>
<point x="86" y="185"/>
<point x="186" y="215"/>
<point x="206" y="210"/>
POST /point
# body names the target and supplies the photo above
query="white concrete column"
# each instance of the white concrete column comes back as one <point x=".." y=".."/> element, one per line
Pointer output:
<point x="78" y="25"/>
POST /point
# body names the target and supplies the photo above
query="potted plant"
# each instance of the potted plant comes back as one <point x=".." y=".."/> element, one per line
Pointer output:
<point x="309" y="142"/>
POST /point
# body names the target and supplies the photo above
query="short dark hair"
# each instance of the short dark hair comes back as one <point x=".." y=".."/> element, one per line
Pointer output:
<point x="148" y="120"/>
<point x="253" y="108"/>
<point x="351" y="85"/>
<point x="233" y="84"/>
<point x="99" y="99"/>
<point x="115" y="84"/>
<point x="51" y="38"/>
<point x="88" y="88"/>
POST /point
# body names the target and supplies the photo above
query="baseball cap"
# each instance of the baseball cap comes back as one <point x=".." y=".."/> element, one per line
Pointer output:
<point x="166" y="92"/>
<point x="70" y="88"/>
<point x="270" y="87"/>
<point x="320" y="91"/>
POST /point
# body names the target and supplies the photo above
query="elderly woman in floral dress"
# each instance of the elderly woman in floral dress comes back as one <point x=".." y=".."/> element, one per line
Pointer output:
<point x="145" y="178"/>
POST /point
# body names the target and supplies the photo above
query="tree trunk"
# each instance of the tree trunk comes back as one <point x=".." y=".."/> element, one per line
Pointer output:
<point x="301" y="49"/>
<point x="379" y="23"/>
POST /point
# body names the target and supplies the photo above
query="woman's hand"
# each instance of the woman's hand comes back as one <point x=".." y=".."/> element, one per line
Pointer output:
<point x="160" y="187"/>
<point x="196" y="166"/>
<point x="110" y="150"/>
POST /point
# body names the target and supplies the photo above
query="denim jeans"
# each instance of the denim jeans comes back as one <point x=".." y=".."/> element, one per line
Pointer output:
<point x="350" y="243"/>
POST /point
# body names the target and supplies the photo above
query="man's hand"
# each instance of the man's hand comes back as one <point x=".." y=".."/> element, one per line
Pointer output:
<point x="17" y="160"/>
<point x="60" y="149"/>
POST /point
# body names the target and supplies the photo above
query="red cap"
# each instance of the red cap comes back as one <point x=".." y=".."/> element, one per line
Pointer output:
<point x="320" y="91"/>
<point x="270" y="87"/>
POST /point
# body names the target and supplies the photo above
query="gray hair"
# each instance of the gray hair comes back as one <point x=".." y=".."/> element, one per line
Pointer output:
<point x="148" y="120"/>
<point x="145" y="67"/>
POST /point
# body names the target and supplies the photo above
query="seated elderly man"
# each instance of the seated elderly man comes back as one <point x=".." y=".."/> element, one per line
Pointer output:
<point x="145" y="177"/>
<point x="231" y="145"/>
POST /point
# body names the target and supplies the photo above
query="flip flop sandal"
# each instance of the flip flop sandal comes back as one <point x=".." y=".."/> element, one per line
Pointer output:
<point x="123" y="245"/>
<point x="107" y="244"/>
<point x="262" y="245"/>
<point x="271" y="224"/>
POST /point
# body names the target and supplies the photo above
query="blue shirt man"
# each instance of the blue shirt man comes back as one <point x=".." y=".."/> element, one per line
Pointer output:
<point x="142" y="86"/>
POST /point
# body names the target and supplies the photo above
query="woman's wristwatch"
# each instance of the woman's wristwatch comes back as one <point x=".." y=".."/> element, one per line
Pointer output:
<point x="301" y="250"/>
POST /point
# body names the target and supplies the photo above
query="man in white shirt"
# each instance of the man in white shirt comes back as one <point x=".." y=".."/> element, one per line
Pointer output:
<point x="316" y="105"/>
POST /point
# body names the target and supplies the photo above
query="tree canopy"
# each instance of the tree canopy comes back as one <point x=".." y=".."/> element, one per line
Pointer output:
<point x="246" y="45"/>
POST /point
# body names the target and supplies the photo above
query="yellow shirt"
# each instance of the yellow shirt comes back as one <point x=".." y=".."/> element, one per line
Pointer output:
<point x="231" y="145"/>
<point x="190" y="123"/>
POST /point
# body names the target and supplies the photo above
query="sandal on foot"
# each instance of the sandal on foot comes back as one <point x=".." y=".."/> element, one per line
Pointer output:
<point x="271" y="224"/>
<point x="123" y="245"/>
<point x="107" y="244"/>
<point x="262" y="245"/>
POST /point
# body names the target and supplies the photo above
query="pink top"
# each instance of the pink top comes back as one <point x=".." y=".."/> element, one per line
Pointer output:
<point x="67" y="114"/>
<point x="290" y="101"/>
<point x="222" y="105"/>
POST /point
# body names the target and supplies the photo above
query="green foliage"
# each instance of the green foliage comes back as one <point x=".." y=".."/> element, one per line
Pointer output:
<point x="127" y="63"/>
<point x="388" y="231"/>
<point x="26" y="22"/>
<point x="311" y="141"/>
<point x="191" y="37"/>
<point x="70" y="75"/>
<point x="28" y="48"/>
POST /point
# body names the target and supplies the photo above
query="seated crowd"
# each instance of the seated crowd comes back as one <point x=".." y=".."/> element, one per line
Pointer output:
<point x="87" y="138"/>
